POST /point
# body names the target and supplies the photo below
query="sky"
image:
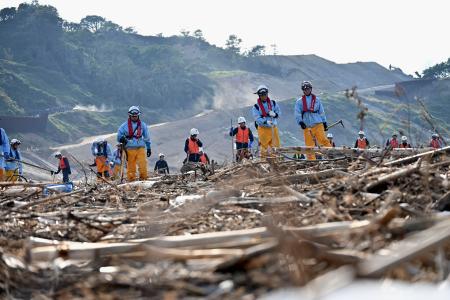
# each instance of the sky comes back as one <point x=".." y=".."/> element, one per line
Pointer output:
<point x="407" y="34"/>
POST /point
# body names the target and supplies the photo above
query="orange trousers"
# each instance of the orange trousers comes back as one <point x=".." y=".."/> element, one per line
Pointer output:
<point x="137" y="156"/>
<point x="313" y="135"/>
<point x="11" y="175"/>
<point x="267" y="139"/>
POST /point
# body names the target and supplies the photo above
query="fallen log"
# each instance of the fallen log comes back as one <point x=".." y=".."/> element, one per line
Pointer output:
<point x="393" y="176"/>
<point x="413" y="158"/>
<point x="411" y="247"/>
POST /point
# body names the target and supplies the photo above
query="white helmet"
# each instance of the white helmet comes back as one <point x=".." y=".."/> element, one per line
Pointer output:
<point x="404" y="138"/>
<point x="241" y="120"/>
<point x="306" y="84"/>
<point x="361" y="132"/>
<point x="58" y="154"/>
<point x="134" y="110"/>
<point x="194" y="131"/>
<point x="161" y="154"/>
<point x="330" y="135"/>
<point x="262" y="88"/>
<point x="15" y="141"/>
<point x="435" y="135"/>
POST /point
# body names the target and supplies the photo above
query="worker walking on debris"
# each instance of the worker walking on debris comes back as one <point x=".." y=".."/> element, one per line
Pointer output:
<point x="102" y="152"/>
<point x="13" y="165"/>
<point x="64" y="166"/>
<point x="330" y="139"/>
<point x="135" y="138"/>
<point x="116" y="162"/>
<point x="5" y="149"/>
<point x="405" y="143"/>
<point x="362" y="142"/>
<point x="266" y="113"/>
<point x="310" y="115"/>
<point x="435" y="142"/>
<point x="392" y="142"/>
<point x="204" y="159"/>
<point x="192" y="146"/>
<point x="244" y="139"/>
<point x="161" y="166"/>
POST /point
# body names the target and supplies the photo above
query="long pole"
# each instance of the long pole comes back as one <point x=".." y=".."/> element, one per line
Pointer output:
<point x="232" y="142"/>
<point x="27" y="163"/>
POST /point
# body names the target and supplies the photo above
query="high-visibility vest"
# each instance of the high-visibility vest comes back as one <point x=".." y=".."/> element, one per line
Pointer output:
<point x="362" y="144"/>
<point x="62" y="163"/>
<point x="242" y="135"/>
<point x="132" y="133"/>
<point x="305" y="106"/>
<point x="435" y="144"/>
<point x="193" y="147"/>
<point x="393" y="143"/>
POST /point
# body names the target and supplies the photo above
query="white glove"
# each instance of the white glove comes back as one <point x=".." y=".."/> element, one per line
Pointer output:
<point x="272" y="114"/>
<point x="270" y="123"/>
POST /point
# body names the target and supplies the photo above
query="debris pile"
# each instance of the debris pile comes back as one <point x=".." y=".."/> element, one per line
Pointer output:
<point x="241" y="232"/>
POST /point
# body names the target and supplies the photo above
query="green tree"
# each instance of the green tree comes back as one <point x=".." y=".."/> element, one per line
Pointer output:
<point x="257" y="50"/>
<point x="7" y="13"/>
<point x="92" y="23"/>
<point x="233" y="43"/>
<point x="441" y="70"/>
<point x="198" y="34"/>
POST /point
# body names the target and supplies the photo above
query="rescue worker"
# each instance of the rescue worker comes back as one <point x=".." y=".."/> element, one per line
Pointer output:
<point x="116" y="162"/>
<point x="161" y="166"/>
<point x="405" y="143"/>
<point x="13" y="166"/>
<point x="4" y="154"/>
<point x="192" y="146"/>
<point x="135" y="137"/>
<point x="435" y="141"/>
<point x="101" y="150"/>
<point x="310" y="115"/>
<point x="392" y="142"/>
<point x="330" y="139"/>
<point x="266" y="113"/>
<point x="362" y="142"/>
<point x="64" y="166"/>
<point x="204" y="159"/>
<point x="244" y="139"/>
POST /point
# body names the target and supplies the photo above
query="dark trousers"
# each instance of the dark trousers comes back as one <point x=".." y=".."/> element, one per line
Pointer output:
<point x="66" y="174"/>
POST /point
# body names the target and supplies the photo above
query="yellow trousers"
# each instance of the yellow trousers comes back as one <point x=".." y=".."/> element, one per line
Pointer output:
<point x="267" y="139"/>
<point x="2" y="174"/>
<point x="137" y="156"/>
<point x="313" y="135"/>
<point x="11" y="175"/>
<point x="101" y="164"/>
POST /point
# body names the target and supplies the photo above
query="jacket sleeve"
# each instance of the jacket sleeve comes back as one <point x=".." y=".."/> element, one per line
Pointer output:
<point x="156" y="166"/>
<point x="186" y="146"/>
<point x="66" y="162"/>
<point x="298" y="112"/>
<point x="367" y="142"/>
<point x="5" y="142"/>
<point x="109" y="153"/>
<point x="322" y="111"/>
<point x="356" y="144"/>
<point x="234" y="132"/>
<point x="199" y="143"/>
<point x="257" y="116"/>
<point x="250" y="135"/>
<point x="276" y="109"/>
<point x="146" y="136"/>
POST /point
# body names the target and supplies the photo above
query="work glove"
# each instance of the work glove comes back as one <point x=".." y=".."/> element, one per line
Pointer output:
<point x="325" y="126"/>
<point x="231" y="131"/>
<point x="52" y="173"/>
<point x="272" y="114"/>
<point x="149" y="152"/>
<point x="270" y="123"/>
<point x="123" y="140"/>
<point x="302" y="125"/>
